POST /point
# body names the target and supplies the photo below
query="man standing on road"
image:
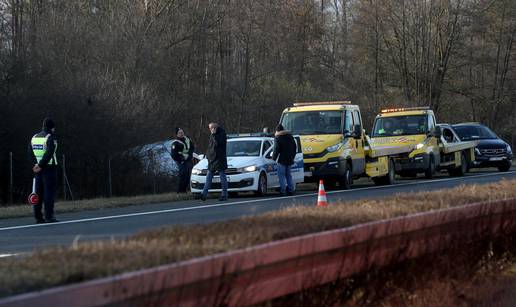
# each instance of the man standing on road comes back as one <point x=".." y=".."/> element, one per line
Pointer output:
<point x="217" y="160"/>
<point x="42" y="153"/>
<point x="284" y="153"/>
<point x="182" y="152"/>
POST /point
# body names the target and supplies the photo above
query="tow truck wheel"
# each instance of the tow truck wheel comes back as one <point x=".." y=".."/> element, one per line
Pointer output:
<point x="346" y="181"/>
<point x="387" y="179"/>
<point x="462" y="169"/>
<point x="430" y="171"/>
<point x="463" y="165"/>
<point x="262" y="185"/>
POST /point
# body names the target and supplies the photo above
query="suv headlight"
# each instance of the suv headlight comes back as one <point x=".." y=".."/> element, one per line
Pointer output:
<point x="419" y="146"/>
<point x="477" y="152"/>
<point x="334" y="148"/>
<point x="196" y="171"/>
<point x="509" y="149"/>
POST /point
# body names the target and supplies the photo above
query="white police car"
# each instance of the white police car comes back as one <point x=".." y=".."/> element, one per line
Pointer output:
<point x="250" y="166"/>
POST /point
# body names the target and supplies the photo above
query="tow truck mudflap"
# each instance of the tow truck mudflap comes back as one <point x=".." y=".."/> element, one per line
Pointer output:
<point x="377" y="167"/>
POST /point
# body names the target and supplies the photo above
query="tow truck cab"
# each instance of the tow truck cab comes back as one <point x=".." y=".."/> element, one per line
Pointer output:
<point x="332" y="139"/>
<point x="409" y="126"/>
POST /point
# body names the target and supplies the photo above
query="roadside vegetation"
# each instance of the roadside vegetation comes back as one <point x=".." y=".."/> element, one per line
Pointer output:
<point x="83" y="261"/>
<point x="119" y="74"/>
<point x="482" y="273"/>
<point x="95" y="204"/>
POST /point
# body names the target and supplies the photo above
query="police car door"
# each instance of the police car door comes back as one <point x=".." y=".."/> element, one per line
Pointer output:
<point x="298" y="172"/>
<point x="271" y="166"/>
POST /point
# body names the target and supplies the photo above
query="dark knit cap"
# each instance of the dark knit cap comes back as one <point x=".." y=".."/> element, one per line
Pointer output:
<point x="48" y="124"/>
<point x="176" y="130"/>
<point x="279" y="127"/>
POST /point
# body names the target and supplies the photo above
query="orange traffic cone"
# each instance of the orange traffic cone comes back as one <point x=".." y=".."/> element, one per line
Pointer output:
<point x="321" y="198"/>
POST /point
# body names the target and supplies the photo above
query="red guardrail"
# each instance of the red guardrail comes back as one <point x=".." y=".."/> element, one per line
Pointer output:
<point x="268" y="271"/>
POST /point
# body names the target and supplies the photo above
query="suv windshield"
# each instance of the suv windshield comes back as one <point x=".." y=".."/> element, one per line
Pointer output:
<point x="400" y="125"/>
<point x="243" y="148"/>
<point x="313" y="122"/>
<point x="474" y="132"/>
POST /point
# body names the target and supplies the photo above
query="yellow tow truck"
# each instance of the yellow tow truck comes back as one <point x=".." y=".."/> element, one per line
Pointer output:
<point x="434" y="147"/>
<point x="334" y="145"/>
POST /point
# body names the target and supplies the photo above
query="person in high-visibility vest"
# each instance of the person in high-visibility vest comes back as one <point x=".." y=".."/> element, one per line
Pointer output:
<point x="182" y="150"/>
<point x="42" y="153"/>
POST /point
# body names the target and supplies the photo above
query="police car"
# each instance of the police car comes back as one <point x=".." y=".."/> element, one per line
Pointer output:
<point x="250" y="166"/>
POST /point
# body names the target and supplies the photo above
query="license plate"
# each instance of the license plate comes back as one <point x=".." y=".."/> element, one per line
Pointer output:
<point x="217" y="179"/>
<point x="496" y="159"/>
<point x="308" y="174"/>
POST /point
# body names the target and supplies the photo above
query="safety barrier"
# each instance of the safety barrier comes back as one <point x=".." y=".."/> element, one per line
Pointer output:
<point x="268" y="271"/>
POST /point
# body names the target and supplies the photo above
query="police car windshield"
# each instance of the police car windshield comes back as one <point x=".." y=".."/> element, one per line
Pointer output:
<point x="400" y="125"/>
<point x="241" y="148"/>
<point x="313" y="122"/>
<point x="467" y="133"/>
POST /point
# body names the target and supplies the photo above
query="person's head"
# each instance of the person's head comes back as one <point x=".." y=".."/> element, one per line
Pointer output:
<point x="213" y="127"/>
<point x="49" y="125"/>
<point x="179" y="133"/>
<point x="279" y="128"/>
<point x="387" y="125"/>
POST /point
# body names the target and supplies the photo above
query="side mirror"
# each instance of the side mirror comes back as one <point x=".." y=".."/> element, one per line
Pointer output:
<point x="357" y="132"/>
<point x="437" y="132"/>
<point x="269" y="155"/>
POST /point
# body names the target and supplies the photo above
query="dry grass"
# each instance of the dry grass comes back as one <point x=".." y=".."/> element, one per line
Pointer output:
<point x="481" y="273"/>
<point x="57" y="266"/>
<point x="23" y="210"/>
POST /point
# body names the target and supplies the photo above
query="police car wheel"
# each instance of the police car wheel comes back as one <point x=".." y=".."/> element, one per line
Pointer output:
<point x="262" y="185"/>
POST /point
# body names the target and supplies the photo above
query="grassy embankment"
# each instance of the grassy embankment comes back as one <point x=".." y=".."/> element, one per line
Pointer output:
<point x="23" y="210"/>
<point x="57" y="266"/>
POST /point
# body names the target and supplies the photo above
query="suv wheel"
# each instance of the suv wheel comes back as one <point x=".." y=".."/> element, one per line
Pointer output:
<point x="505" y="168"/>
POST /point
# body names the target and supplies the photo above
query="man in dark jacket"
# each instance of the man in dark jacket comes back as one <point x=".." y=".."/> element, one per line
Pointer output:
<point x="284" y="153"/>
<point x="182" y="152"/>
<point x="217" y="160"/>
<point x="42" y="154"/>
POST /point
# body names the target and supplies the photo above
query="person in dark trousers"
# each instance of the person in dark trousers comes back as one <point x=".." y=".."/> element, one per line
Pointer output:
<point x="182" y="149"/>
<point x="284" y="153"/>
<point x="217" y="160"/>
<point x="42" y="153"/>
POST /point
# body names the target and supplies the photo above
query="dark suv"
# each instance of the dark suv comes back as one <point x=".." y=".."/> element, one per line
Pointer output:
<point x="491" y="151"/>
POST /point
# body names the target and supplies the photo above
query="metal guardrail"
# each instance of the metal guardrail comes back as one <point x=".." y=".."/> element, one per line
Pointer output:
<point x="268" y="271"/>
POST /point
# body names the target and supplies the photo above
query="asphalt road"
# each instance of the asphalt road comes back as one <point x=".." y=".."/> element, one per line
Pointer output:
<point x="22" y="235"/>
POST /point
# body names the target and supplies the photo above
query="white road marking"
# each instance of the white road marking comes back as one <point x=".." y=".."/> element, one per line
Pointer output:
<point x="245" y="202"/>
<point x="7" y="255"/>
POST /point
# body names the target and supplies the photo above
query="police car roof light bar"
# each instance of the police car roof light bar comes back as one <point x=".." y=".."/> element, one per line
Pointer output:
<point x="405" y="109"/>
<point x="246" y="135"/>
<point x="314" y="103"/>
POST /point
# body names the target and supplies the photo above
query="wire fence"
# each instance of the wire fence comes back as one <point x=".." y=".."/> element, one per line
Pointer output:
<point x="144" y="170"/>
